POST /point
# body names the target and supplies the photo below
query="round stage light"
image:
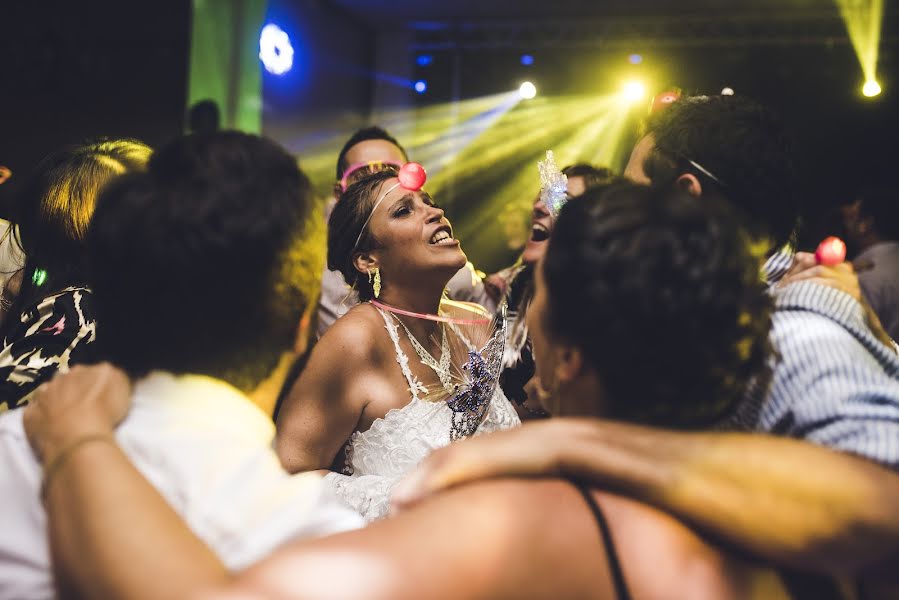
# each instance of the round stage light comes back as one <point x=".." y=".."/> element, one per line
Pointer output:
<point x="527" y="90"/>
<point x="727" y="91"/>
<point x="635" y="59"/>
<point x="633" y="91"/>
<point x="424" y="60"/>
<point x="421" y="86"/>
<point x="871" y="89"/>
<point x="527" y="59"/>
<point x="275" y="50"/>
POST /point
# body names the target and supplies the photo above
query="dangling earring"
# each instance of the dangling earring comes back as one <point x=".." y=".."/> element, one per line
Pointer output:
<point x="374" y="278"/>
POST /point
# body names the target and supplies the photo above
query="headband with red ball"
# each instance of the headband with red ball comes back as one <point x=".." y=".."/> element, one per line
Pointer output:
<point x="412" y="177"/>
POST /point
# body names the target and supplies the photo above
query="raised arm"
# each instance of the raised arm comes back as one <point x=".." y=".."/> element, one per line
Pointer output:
<point x="787" y="501"/>
<point x="327" y="400"/>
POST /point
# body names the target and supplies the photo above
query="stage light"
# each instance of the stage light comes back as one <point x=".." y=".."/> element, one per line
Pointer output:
<point x="421" y="86"/>
<point x="275" y="50"/>
<point x="635" y="59"/>
<point x="727" y="91"/>
<point x="527" y="59"/>
<point x="633" y="91"/>
<point x="871" y="89"/>
<point x="863" y="20"/>
<point x="424" y="60"/>
<point x="527" y="90"/>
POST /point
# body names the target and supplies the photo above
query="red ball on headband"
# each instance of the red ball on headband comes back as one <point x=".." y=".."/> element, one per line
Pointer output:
<point x="412" y="176"/>
<point x="832" y="251"/>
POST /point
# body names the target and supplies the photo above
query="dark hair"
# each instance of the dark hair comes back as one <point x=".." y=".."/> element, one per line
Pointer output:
<point x="346" y="221"/>
<point x="197" y="265"/>
<point x="54" y="210"/>
<point x="744" y="145"/>
<point x="591" y="175"/>
<point x="660" y="292"/>
<point x="363" y="135"/>
<point x="882" y="205"/>
<point x="203" y="117"/>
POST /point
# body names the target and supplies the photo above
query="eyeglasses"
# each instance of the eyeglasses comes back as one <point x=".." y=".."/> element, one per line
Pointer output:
<point x="359" y="170"/>
<point x="704" y="171"/>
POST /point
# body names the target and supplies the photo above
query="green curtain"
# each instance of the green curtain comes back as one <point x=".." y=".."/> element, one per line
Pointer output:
<point x="224" y="60"/>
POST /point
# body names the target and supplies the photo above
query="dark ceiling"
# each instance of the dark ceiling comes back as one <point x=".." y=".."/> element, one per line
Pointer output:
<point x="398" y="12"/>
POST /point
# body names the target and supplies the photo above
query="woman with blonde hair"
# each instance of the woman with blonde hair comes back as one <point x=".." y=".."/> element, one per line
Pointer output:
<point x="50" y="323"/>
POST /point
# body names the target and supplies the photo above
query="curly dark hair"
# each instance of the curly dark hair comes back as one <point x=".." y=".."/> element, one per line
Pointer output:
<point x="197" y="265"/>
<point x="344" y="225"/>
<point x="661" y="293"/>
<point x="744" y="145"/>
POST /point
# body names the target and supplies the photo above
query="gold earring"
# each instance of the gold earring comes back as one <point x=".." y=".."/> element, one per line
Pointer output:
<point x="374" y="278"/>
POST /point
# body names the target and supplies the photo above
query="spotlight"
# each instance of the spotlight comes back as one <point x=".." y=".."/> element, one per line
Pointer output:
<point x="727" y="91"/>
<point x="527" y="59"/>
<point x="275" y="49"/>
<point x="424" y="60"/>
<point x="527" y="90"/>
<point x="633" y="91"/>
<point x="871" y="88"/>
<point x="421" y="86"/>
<point x="635" y="59"/>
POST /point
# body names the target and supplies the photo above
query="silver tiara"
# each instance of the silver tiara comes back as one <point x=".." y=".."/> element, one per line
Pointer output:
<point x="554" y="185"/>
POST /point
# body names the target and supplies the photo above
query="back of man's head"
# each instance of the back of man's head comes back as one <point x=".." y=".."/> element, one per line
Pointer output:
<point x="881" y="205"/>
<point x="363" y="135"/>
<point x="743" y="145"/>
<point x="204" y="117"/>
<point x="195" y="264"/>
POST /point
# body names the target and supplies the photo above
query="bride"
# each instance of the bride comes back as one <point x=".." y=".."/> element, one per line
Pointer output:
<point x="362" y="404"/>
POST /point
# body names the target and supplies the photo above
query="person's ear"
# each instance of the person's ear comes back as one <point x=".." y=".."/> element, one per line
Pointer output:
<point x="569" y="364"/>
<point x="690" y="184"/>
<point x="366" y="262"/>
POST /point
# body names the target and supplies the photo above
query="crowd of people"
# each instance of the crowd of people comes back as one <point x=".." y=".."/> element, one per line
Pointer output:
<point x="663" y="397"/>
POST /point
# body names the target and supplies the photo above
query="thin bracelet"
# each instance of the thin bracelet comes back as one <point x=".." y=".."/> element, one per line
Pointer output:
<point x="60" y="459"/>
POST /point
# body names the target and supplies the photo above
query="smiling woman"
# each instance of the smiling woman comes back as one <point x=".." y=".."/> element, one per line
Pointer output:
<point x="361" y="406"/>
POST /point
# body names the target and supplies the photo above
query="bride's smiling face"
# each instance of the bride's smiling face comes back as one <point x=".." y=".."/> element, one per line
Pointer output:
<point x="412" y="233"/>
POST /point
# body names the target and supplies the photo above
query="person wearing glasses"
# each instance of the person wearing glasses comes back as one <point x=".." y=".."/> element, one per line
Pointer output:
<point x="368" y="151"/>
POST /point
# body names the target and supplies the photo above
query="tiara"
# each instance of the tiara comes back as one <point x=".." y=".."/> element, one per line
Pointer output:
<point x="553" y="185"/>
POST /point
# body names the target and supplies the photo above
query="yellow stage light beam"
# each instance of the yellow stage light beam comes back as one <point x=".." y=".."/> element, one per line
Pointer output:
<point x="863" y="20"/>
<point x="633" y="91"/>
<point x="527" y="90"/>
<point x="871" y="88"/>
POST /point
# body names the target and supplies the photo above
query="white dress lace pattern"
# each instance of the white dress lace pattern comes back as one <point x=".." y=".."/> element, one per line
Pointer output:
<point x="378" y="458"/>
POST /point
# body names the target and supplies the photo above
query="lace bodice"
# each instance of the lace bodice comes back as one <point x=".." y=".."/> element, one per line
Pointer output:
<point x="378" y="457"/>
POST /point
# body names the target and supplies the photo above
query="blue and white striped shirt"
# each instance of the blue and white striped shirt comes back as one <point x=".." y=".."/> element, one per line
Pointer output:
<point x="832" y="382"/>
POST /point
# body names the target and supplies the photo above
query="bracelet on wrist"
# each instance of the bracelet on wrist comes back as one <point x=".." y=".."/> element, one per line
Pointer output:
<point x="63" y="455"/>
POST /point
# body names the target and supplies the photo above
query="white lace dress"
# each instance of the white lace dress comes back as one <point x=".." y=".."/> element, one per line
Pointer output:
<point x="378" y="458"/>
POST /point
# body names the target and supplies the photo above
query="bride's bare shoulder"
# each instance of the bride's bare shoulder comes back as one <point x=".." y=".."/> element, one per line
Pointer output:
<point x="358" y="333"/>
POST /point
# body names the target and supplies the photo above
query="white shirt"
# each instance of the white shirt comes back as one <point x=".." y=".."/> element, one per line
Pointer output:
<point x="207" y="449"/>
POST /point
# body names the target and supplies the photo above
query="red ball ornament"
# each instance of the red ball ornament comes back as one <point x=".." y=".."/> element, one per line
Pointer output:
<point x="832" y="251"/>
<point x="412" y="176"/>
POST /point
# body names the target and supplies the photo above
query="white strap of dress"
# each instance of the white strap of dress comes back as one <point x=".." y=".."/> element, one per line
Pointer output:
<point x="415" y="385"/>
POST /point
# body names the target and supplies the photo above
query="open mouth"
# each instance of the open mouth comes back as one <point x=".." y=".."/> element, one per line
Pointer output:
<point x="539" y="233"/>
<point x="441" y="237"/>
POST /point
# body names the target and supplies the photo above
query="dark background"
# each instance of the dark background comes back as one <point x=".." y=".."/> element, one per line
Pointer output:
<point x="73" y="70"/>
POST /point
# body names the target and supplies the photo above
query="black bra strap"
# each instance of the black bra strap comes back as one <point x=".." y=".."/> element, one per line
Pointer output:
<point x="614" y="565"/>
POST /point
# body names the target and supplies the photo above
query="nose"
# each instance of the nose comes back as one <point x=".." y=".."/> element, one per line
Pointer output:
<point x="435" y="214"/>
<point x="540" y="209"/>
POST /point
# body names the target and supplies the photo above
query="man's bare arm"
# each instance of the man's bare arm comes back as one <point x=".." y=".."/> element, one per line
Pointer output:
<point x="790" y="502"/>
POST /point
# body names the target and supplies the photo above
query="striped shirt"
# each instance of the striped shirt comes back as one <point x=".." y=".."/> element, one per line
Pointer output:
<point x="831" y="381"/>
